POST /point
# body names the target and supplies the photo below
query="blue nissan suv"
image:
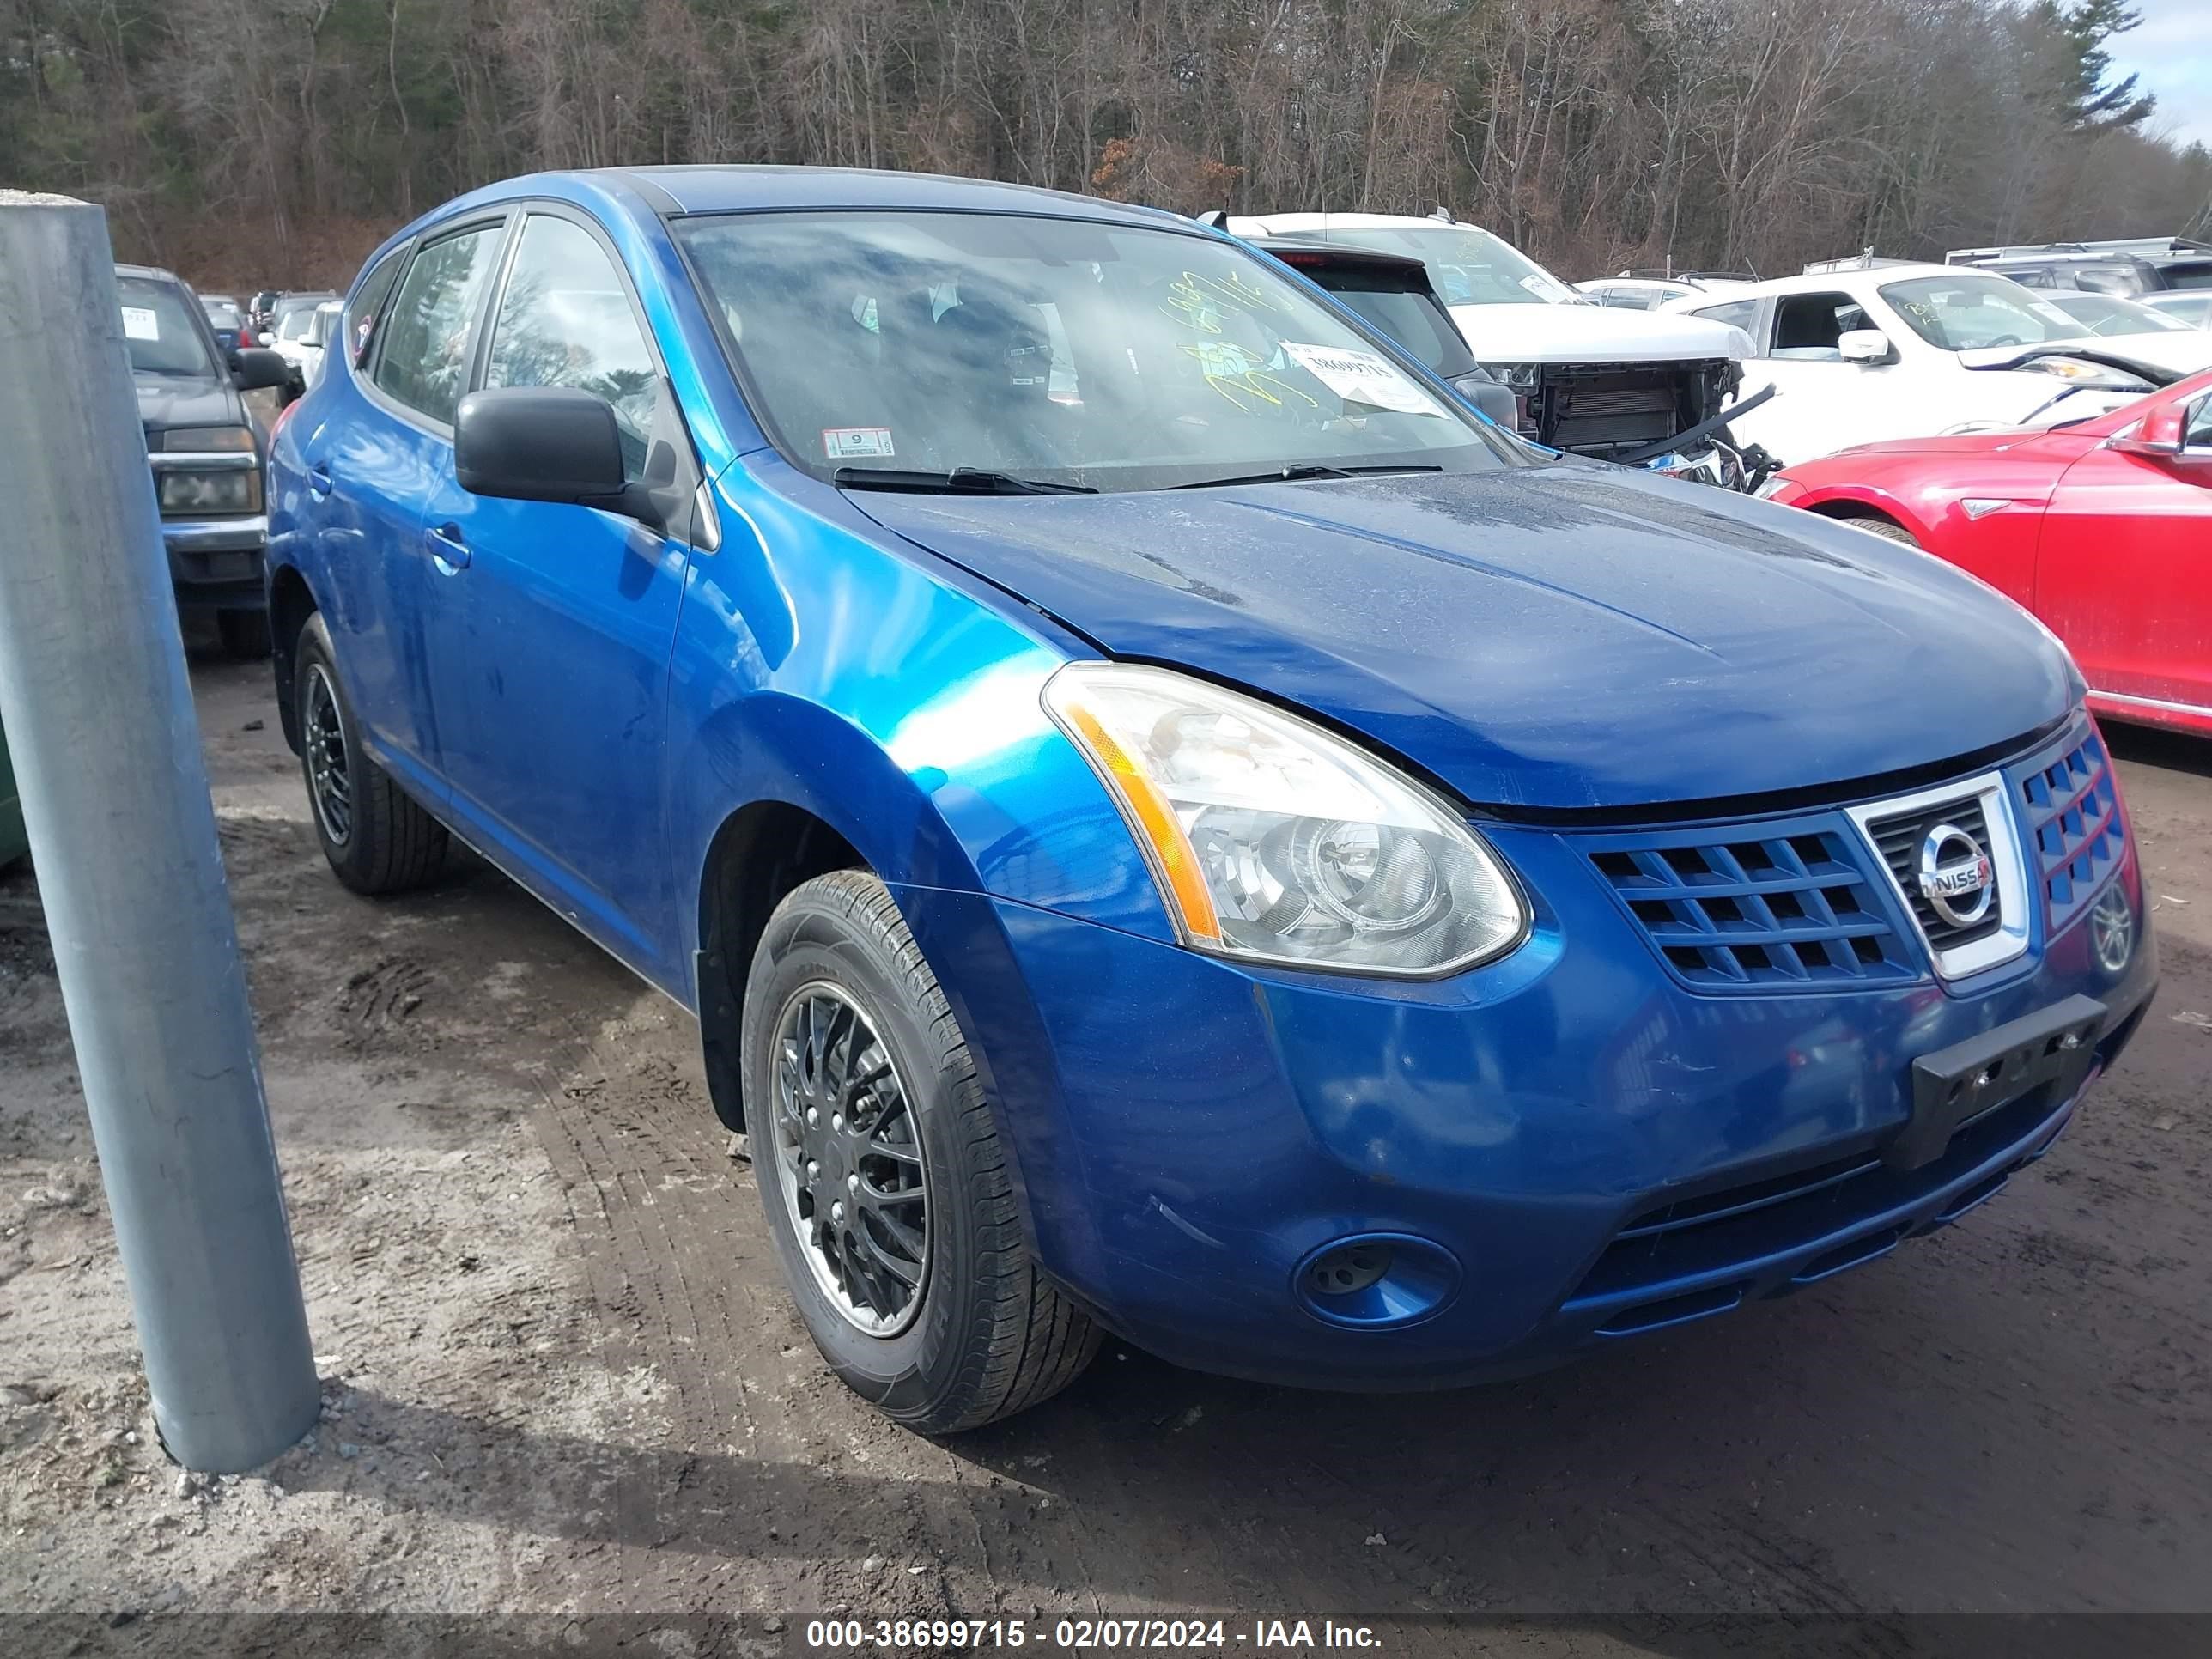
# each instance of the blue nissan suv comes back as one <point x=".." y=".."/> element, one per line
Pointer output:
<point x="1170" y="821"/>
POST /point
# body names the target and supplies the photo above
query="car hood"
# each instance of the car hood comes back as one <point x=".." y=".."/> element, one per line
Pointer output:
<point x="1593" y="334"/>
<point x="1995" y="440"/>
<point x="2160" y="358"/>
<point x="172" y="400"/>
<point x="1558" y="637"/>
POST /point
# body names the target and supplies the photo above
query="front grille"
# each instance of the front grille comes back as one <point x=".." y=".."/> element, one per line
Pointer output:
<point x="1778" y="904"/>
<point x="1746" y="1224"/>
<point x="1898" y="840"/>
<point x="1597" y="408"/>
<point x="2073" y="819"/>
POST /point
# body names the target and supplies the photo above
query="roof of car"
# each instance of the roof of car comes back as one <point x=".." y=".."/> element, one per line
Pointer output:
<point x="151" y="273"/>
<point x="714" y="189"/>
<point x="1819" y="280"/>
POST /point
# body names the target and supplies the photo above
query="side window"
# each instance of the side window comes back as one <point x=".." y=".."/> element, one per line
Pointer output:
<point x="1738" y="314"/>
<point x="367" y="304"/>
<point x="1812" y="325"/>
<point x="425" y="359"/>
<point x="566" y="321"/>
<point x="2196" y="434"/>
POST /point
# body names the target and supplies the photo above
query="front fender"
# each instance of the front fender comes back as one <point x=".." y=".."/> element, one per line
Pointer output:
<point x="870" y="688"/>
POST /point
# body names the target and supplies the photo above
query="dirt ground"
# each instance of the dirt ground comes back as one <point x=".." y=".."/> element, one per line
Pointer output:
<point x="562" y="1380"/>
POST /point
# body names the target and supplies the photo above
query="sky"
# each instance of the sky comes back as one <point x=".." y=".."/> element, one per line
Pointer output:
<point x="2172" y="51"/>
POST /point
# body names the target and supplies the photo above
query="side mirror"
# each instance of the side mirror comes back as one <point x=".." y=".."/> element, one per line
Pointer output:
<point x="546" y="443"/>
<point x="1865" y="345"/>
<point x="1493" y="399"/>
<point x="252" y="369"/>
<point x="265" y="336"/>
<point x="2162" y="436"/>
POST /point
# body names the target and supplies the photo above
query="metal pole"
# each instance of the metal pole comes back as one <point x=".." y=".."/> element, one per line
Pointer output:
<point x="98" y="715"/>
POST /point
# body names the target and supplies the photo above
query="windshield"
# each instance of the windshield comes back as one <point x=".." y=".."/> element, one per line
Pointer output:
<point x="1470" y="267"/>
<point x="164" y="336"/>
<point x="1958" y="313"/>
<point x="2106" y="314"/>
<point x="297" y="325"/>
<point x="1067" y="351"/>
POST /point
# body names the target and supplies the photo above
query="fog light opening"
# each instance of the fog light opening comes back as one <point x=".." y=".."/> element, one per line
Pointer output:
<point x="1376" y="1281"/>
<point x="1348" y="1269"/>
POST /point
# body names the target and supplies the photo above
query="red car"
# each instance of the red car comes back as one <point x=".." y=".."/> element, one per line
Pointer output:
<point x="2103" y="530"/>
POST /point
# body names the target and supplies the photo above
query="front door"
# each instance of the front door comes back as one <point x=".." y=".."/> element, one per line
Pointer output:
<point x="1822" y="403"/>
<point x="373" y="466"/>
<point x="552" y="642"/>
<point x="2123" y="572"/>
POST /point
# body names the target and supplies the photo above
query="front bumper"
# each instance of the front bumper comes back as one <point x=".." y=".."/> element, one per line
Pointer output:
<point x="1591" y="1145"/>
<point x="218" y="563"/>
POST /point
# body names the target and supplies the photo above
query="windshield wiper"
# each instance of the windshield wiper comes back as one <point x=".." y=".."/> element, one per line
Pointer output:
<point x="1298" y="470"/>
<point x="961" y="480"/>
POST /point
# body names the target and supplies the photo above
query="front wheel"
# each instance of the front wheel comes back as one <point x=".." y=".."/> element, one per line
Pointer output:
<point x="376" y="838"/>
<point x="883" y="1175"/>
<point x="1888" y="529"/>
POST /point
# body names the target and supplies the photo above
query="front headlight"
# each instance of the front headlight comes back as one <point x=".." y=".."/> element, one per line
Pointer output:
<point x="233" y="489"/>
<point x="1276" y="841"/>
<point x="2082" y="372"/>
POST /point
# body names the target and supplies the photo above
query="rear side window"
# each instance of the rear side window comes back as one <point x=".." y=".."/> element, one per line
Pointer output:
<point x="565" y="320"/>
<point x="1737" y="313"/>
<point x="424" y="362"/>
<point x="367" y="304"/>
<point x="1413" y="320"/>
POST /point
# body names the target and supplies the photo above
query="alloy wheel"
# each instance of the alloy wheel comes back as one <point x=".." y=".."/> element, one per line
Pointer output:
<point x="330" y="777"/>
<point x="849" y="1161"/>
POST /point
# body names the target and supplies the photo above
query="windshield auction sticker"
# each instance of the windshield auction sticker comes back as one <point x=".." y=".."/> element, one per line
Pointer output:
<point x="140" y="324"/>
<point x="847" y="443"/>
<point x="1361" y="377"/>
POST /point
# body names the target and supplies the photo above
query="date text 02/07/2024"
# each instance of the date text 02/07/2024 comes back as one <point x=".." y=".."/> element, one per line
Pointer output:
<point x="935" y="1635"/>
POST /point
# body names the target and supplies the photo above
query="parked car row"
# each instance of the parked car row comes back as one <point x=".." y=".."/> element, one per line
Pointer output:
<point x="206" y="451"/>
<point x="1170" y="821"/>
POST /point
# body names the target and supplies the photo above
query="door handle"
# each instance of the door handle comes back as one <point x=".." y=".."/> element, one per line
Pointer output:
<point x="319" y="480"/>
<point x="446" y="546"/>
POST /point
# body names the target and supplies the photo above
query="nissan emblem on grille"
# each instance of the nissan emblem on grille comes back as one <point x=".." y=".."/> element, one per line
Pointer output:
<point x="1955" y="875"/>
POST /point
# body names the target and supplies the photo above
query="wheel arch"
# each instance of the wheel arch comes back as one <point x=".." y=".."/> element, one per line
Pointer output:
<point x="1845" y="509"/>
<point x="760" y="853"/>
<point x="291" y="602"/>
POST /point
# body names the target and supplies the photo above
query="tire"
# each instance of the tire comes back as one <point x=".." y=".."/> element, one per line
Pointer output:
<point x="1888" y="529"/>
<point x="982" y="1335"/>
<point x="245" y="634"/>
<point x="382" y="842"/>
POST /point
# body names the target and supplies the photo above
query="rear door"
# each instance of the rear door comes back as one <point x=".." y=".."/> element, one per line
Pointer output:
<point x="548" y="641"/>
<point x="371" y="467"/>
<point x="2123" y="574"/>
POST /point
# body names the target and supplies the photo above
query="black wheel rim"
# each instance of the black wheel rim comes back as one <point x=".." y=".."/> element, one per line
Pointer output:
<point x="323" y="741"/>
<point x="849" y="1160"/>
